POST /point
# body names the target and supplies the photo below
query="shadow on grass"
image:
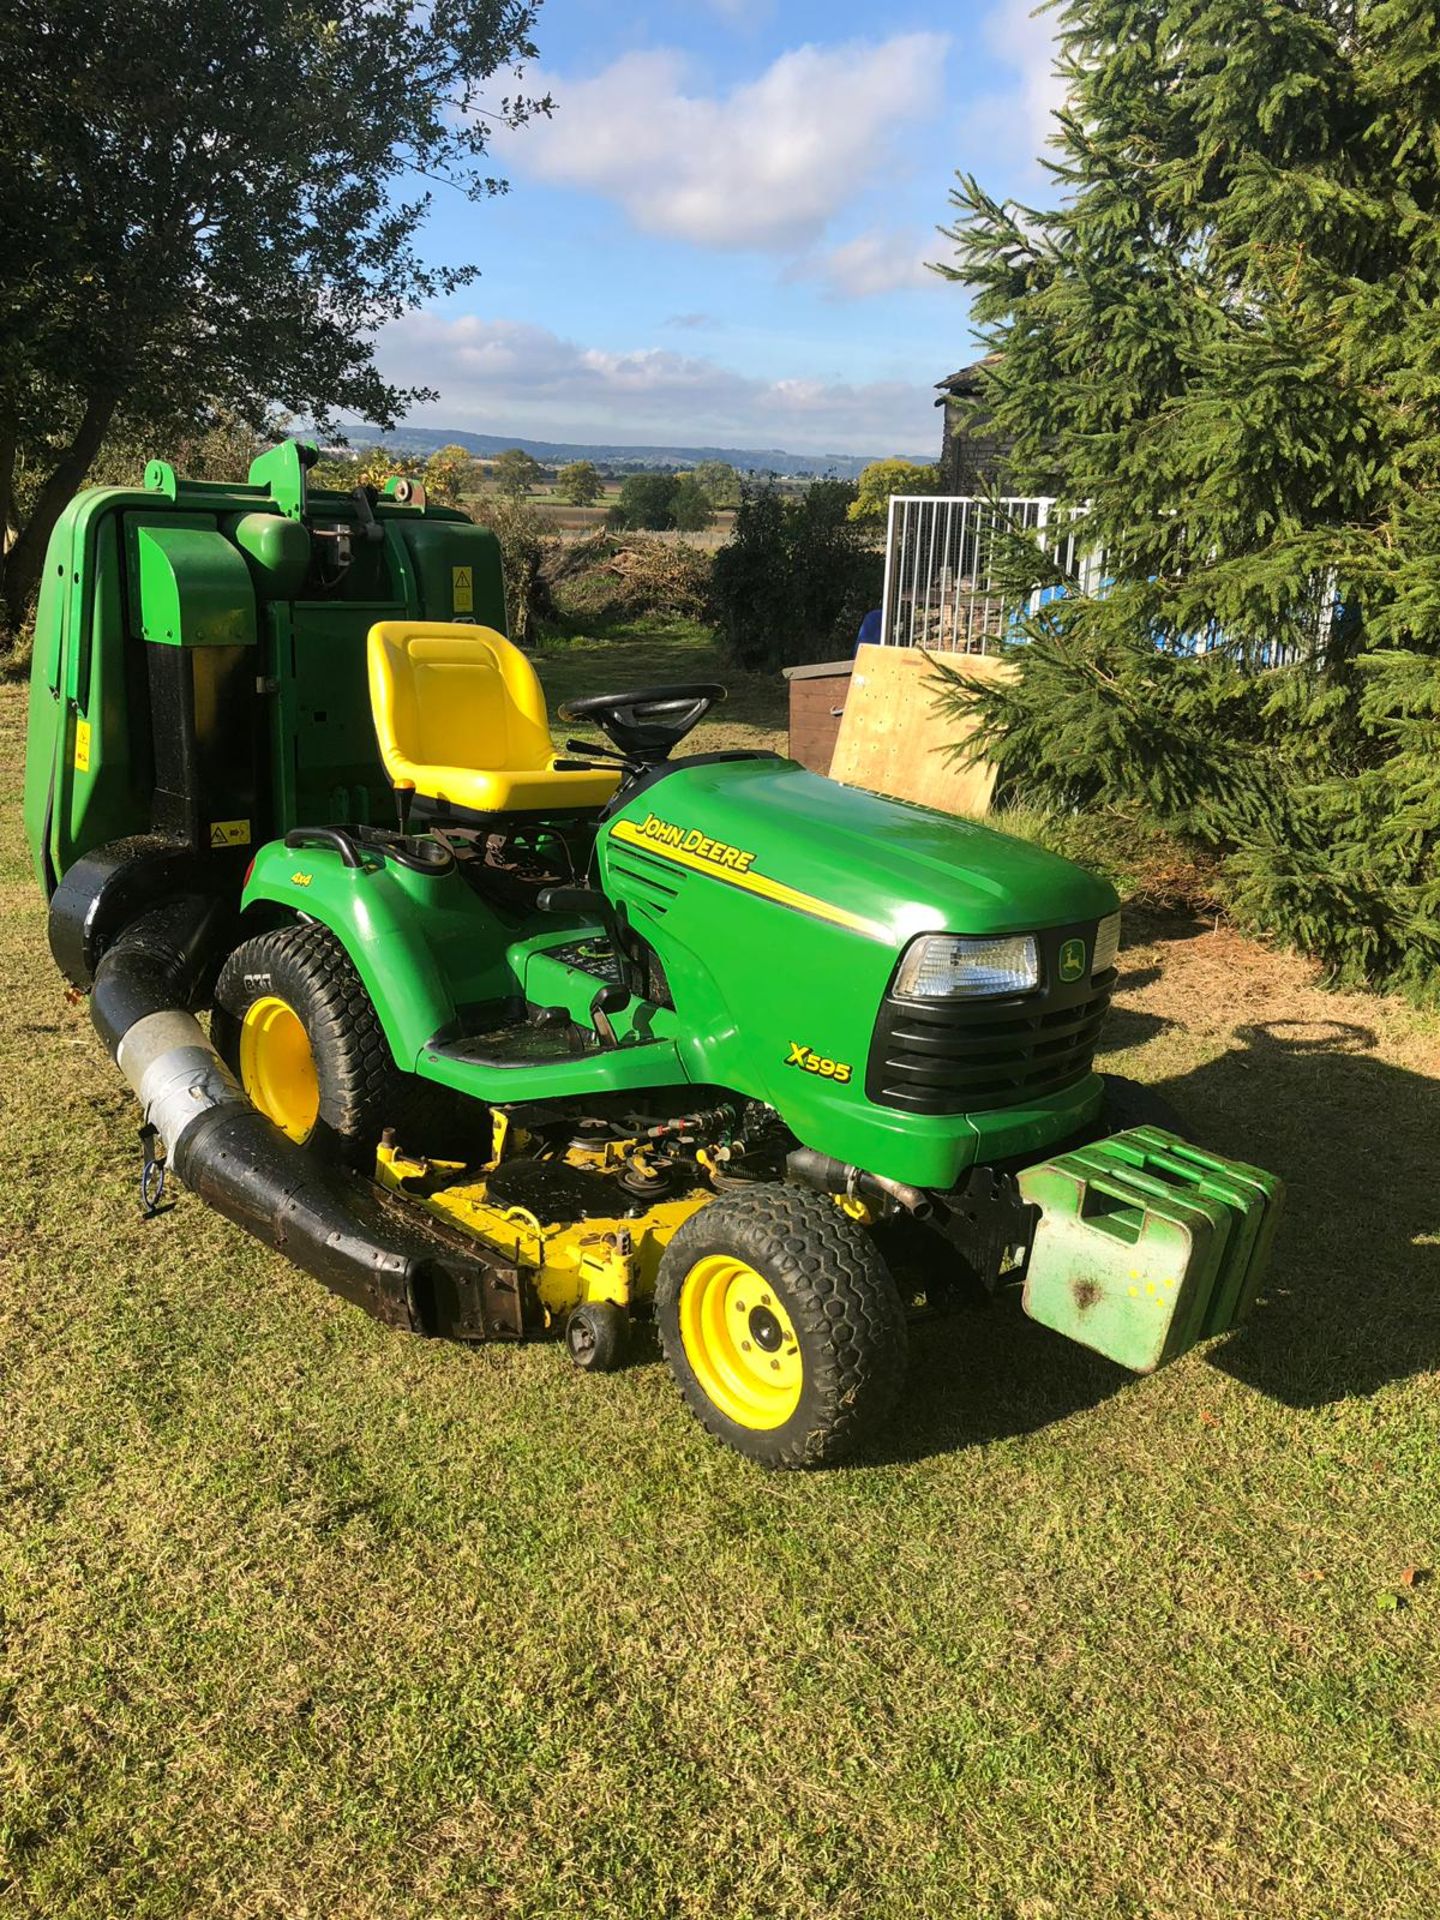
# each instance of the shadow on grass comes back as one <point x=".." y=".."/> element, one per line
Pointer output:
<point x="1352" y="1301"/>
<point x="985" y="1375"/>
<point x="1353" y="1297"/>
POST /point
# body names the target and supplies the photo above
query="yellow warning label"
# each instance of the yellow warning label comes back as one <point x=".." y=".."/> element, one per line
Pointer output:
<point x="229" y="833"/>
<point x="82" y="746"/>
<point x="462" y="589"/>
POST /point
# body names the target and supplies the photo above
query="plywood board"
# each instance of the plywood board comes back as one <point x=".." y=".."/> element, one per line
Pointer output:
<point x="892" y="736"/>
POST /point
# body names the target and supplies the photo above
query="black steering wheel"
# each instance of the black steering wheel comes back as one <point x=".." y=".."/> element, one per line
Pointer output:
<point x="649" y="723"/>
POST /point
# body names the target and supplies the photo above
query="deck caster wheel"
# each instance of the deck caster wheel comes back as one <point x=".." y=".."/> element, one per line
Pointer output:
<point x="596" y="1336"/>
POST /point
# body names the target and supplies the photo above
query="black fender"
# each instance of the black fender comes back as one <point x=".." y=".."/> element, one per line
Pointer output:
<point x="112" y="886"/>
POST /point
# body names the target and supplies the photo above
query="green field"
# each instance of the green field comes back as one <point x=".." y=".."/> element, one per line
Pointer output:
<point x="301" y="1618"/>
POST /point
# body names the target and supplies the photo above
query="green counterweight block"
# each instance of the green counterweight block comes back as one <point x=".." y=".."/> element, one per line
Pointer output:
<point x="1146" y="1244"/>
<point x="1255" y="1197"/>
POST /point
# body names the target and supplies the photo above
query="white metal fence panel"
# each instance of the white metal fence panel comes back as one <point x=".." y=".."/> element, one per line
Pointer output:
<point x="941" y="592"/>
<point x="940" y="587"/>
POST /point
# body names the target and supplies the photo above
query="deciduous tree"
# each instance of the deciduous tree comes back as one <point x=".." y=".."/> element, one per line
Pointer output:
<point x="647" y="501"/>
<point x="450" y="475"/>
<point x="580" y="483"/>
<point x="208" y="209"/>
<point x="516" y="472"/>
<point x="881" y="479"/>
<point x="719" y="481"/>
<point x="691" y="509"/>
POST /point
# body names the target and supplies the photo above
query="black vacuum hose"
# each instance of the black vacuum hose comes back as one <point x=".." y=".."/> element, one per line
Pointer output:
<point x="337" y="1227"/>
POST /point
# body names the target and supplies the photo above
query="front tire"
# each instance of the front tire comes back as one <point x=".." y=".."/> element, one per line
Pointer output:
<point x="782" y="1325"/>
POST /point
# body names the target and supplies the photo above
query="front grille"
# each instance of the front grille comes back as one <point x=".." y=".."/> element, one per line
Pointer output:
<point x="970" y="1056"/>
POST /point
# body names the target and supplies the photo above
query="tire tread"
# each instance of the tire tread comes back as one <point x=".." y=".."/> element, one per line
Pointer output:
<point x="361" y="1088"/>
<point x="838" y="1290"/>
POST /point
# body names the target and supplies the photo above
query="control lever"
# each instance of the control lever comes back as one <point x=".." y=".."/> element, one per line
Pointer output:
<point x="589" y="748"/>
<point x="607" y="1001"/>
<point x="573" y="900"/>
<point x="371" y="529"/>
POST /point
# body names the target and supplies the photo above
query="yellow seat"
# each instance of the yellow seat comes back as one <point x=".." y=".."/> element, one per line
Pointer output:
<point x="460" y="717"/>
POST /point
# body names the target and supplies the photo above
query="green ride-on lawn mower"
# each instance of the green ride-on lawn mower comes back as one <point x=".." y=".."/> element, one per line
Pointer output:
<point x="505" y="1040"/>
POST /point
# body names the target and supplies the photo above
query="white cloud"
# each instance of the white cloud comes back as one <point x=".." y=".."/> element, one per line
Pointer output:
<point x="1016" y="124"/>
<point x="766" y="165"/>
<point x="879" y="260"/>
<point x="508" y="376"/>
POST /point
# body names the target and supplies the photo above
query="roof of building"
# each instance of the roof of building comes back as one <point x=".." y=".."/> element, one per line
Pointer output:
<point x="967" y="380"/>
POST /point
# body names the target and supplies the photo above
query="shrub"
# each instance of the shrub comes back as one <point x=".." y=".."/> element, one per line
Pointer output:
<point x="612" y="578"/>
<point x="796" y="578"/>
<point x="527" y="549"/>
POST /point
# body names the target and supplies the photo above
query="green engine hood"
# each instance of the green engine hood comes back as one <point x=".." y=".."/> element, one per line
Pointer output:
<point x="881" y="867"/>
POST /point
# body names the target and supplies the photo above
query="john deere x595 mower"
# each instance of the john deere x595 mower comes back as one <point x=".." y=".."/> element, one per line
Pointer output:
<point x="503" y="1039"/>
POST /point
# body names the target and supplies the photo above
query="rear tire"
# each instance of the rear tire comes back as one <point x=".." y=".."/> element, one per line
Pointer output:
<point x="299" y="981"/>
<point x="782" y="1325"/>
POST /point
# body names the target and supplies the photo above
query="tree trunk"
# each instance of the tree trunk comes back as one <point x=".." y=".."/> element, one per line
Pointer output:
<point x="9" y="452"/>
<point x="23" y="560"/>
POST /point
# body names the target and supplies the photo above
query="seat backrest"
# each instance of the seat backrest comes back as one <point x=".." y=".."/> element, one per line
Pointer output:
<point x="454" y="696"/>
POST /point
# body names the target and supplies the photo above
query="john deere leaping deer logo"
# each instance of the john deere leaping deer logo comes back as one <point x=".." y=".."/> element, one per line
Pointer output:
<point x="1072" y="960"/>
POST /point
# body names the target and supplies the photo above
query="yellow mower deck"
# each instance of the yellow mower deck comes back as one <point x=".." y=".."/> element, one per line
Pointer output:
<point x="613" y="1260"/>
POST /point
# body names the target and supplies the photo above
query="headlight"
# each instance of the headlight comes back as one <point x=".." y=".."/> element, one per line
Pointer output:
<point x="1107" y="944"/>
<point x="942" y="966"/>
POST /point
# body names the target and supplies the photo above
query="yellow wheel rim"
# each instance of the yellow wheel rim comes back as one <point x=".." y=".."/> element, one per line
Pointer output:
<point x="277" y="1068"/>
<point x="740" y="1342"/>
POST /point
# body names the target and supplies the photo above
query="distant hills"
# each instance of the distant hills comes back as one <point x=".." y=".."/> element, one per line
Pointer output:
<point x="843" y="466"/>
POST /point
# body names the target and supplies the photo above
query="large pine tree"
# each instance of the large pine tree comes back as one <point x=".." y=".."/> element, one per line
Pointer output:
<point x="1223" y="349"/>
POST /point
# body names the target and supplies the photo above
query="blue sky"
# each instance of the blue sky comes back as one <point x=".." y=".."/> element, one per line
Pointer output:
<point x="720" y="235"/>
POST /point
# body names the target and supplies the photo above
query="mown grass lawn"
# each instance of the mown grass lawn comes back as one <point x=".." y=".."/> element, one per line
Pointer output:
<point x="301" y="1618"/>
<point x="753" y="715"/>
